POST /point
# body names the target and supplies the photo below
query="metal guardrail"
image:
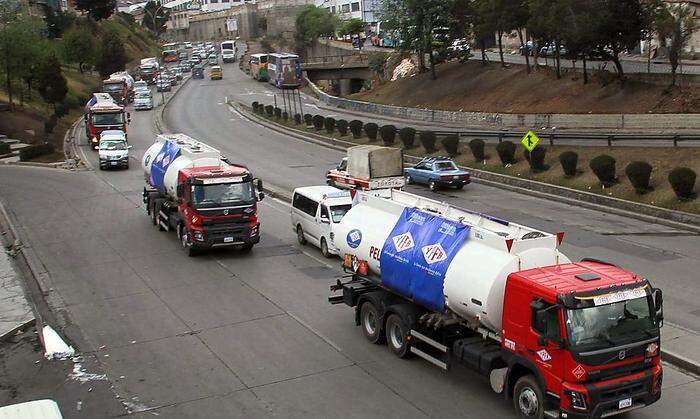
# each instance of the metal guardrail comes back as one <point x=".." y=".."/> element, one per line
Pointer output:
<point x="338" y="59"/>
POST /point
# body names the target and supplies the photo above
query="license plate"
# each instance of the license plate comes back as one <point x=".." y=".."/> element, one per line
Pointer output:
<point x="455" y="177"/>
<point x="624" y="403"/>
<point x="114" y="163"/>
<point x="228" y="239"/>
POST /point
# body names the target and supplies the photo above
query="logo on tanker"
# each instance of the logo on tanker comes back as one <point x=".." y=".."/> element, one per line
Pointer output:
<point x="434" y="253"/>
<point x="354" y="238"/>
<point x="403" y="241"/>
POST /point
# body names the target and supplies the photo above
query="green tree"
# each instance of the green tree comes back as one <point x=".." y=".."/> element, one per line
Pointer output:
<point x="548" y="23"/>
<point x="155" y="17"/>
<point x="51" y="83"/>
<point x="112" y="56"/>
<point x="675" y="25"/>
<point x="97" y="9"/>
<point x="78" y="45"/>
<point x="313" y="22"/>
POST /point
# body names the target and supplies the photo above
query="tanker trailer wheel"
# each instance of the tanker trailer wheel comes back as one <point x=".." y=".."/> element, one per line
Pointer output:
<point x="300" y="235"/>
<point x="324" y="248"/>
<point x="528" y="398"/>
<point x="397" y="336"/>
<point x="371" y="323"/>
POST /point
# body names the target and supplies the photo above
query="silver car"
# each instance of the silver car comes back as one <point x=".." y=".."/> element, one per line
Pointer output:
<point x="143" y="101"/>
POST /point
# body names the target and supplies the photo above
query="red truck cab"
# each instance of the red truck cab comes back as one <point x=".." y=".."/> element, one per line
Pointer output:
<point x="588" y="334"/>
<point x="118" y="89"/>
<point x="102" y="114"/>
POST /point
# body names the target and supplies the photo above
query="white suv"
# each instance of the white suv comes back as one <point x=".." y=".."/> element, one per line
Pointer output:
<point x="114" y="150"/>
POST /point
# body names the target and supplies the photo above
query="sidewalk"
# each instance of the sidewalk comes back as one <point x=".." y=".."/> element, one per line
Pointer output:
<point x="681" y="347"/>
<point x="15" y="311"/>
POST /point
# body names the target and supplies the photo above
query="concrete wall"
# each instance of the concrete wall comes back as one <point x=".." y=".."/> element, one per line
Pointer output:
<point x="212" y="26"/>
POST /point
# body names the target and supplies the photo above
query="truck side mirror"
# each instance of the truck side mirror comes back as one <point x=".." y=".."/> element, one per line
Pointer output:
<point x="258" y="184"/>
<point x="659" y="306"/>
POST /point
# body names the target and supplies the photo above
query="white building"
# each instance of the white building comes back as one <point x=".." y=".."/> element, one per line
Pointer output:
<point x="180" y="11"/>
<point x="367" y="10"/>
<point x="215" y="5"/>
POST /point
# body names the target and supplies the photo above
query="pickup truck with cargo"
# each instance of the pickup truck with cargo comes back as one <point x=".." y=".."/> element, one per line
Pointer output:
<point x="560" y="339"/>
<point x="193" y="190"/>
<point x="368" y="167"/>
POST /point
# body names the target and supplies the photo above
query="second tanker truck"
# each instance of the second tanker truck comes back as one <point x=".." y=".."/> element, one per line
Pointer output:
<point x="559" y="339"/>
<point x="193" y="190"/>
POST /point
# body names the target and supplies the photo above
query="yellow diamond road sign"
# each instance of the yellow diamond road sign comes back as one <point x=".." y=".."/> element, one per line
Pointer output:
<point x="530" y="141"/>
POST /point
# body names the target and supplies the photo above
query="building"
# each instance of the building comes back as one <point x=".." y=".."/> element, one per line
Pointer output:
<point x="180" y="12"/>
<point x="367" y="10"/>
<point x="216" y="5"/>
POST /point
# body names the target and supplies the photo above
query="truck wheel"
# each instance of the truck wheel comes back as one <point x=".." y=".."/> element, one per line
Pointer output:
<point x="433" y="186"/>
<point x="397" y="336"/>
<point x="324" y="248"/>
<point x="371" y="324"/>
<point x="154" y="214"/>
<point x="185" y="242"/>
<point x="528" y="398"/>
<point x="300" y="235"/>
<point x="246" y="248"/>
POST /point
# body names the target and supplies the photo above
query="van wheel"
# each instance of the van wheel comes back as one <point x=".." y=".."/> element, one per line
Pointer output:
<point x="371" y="323"/>
<point x="397" y="336"/>
<point x="324" y="248"/>
<point x="528" y="398"/>
<point x="300" y="235"/>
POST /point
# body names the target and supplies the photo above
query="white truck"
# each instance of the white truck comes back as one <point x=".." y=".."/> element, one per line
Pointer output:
<point x="369" y="167"/>
<point x="560" y="339"/>
<point x="149" y="70"/>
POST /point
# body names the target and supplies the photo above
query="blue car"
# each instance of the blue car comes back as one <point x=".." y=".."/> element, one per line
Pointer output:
<point x="437" y="172"/>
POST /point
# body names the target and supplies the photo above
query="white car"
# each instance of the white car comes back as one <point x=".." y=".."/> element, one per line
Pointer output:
<point x="140" y="86"/>
<point x="113" y="150"/>
<point x="143" y="100"/>
<point x="316" y="210"/>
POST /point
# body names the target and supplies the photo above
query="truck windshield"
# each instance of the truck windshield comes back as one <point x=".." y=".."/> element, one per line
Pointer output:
<point x="611" y="324"/>
<point x="222" y="194"/>
<point x="108" y="118"/>
<point x="112" y="88"/>
<point x="338" y="212"/>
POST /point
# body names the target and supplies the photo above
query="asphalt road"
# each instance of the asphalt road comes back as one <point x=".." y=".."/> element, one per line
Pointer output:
<point x="234" y="335"/>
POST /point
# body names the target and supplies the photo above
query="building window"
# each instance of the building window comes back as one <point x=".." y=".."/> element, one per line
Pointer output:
<point x="355" y="7"/>
<point x="345" y="8"/>
<point x="333" y="9"/>
<point x="224" y="1"/>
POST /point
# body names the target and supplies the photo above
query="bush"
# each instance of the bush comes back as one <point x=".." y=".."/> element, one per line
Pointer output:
<point x="477" y="147"/>
<point x="407" y="136"/>
<point x="297" y="119"/>
<point x="50" y="124"/>
<point x="506" y="152"/>
<point x="451" y="144"/>
<point x="255" y="107"/>
<point x="355" y="128"/>
<point x="5" y="149"/>
<point x="342" y="126"/>
<point x="388" y="134"/>
<point x="318" y="121"/>
<point x="428" y="140"/>
<point x="308" y="119"/>
<point x="371" y="131"/>
<point x="536" y="159"/>
<point x="278" y="113"/>
<point x="604" y="168"/>
<point x="329" y="123"/>
<point x="569" y="161"/>
<point x="60" y="109"/>
<point x="639" y="173"/>
<point x="33" y="151"/>
<point x="682" y="180"/>
<point x="285" y="116"/>
<point x="269" y="109"/>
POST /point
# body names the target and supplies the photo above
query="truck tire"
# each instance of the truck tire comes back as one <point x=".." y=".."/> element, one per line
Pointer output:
<point x="154" y="213"/>
<point x="300" y="235"/>
<point x="324" y="248"/>
<point x="185" y="242"/>
<point x="397" y="336"/>
<point x="528" y="398"/>
<point x="246" y="248"/>
<point x="371" y="323"/>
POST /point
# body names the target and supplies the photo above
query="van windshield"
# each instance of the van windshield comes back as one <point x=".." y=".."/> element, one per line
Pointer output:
<point x="338" y="212"/>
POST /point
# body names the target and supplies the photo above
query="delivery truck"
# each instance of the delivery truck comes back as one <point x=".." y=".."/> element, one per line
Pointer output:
<point x="369" y="167"/>
<point x="559" y="339"/>
<point x="195" y="191"/>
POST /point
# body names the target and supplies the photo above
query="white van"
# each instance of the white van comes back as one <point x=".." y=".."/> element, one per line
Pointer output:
<point x="315" y="212"/>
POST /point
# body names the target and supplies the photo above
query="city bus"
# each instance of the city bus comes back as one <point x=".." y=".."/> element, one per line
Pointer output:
<point x="170" y="52"/>
<point x="258" y="67"/>
<point x="228" y="51"/>
<point x="284" y="70"/>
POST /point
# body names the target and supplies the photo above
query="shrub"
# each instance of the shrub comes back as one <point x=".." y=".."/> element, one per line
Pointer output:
<point x="33" y="151"/>
<point x="604" y="168"/>
<point x="255" y="106"/>
<point x="60" y="109"/>
<point x="4" y="149"/>
<point x="388" y="134"/>
<point x="428" y="140"/>
<point x="682" y="180"/>
<point x="297" y="119"/>
<point x="451" y="144"/>
<point x="477" y="147"/>
<point x="407" y="136"/>
<point x="506" y="152"/>
<point x="536" y="159"/>
<point x="278" y="113"/>
<point x="269" y="109"/>
<point x="50" y="124"/>
<point x="355" y="128"/>
<point x="308" y="119"/>
<point x="285" y="116"/>
<point x="329" y="123"/>
<point x="371" y="131"/>
<point x="569" y="161"/>
<point x="342" y="126"/>
<point x="639" y="173"/>
<point x="318" y="121"/>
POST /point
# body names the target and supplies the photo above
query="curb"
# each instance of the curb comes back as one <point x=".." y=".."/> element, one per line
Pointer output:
<point x="681" y="362"/>
<point x="158" y="119"/>
<point x="642" y="212"/>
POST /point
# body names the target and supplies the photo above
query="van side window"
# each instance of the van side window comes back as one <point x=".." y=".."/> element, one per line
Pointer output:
<point x="305" y="204"/>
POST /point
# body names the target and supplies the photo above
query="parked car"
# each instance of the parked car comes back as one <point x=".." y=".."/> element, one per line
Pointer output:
<point x="459" y="49"/>
<point x="437" y="172"/>
<point x="216" y="73"/>
<point x="163" y="85"/>
<point x="113" y="150"/>
<point x="550" y="50"/>
<point x="198" y="72"/>
<point x="316" y="210"/>
<point x="143" y="100"/>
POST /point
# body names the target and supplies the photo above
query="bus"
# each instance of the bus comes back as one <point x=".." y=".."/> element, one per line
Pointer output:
<point x="228" y="51"/>
<point x="170" y="52"/>
<point x="258" y="67"/>
<point x="284" y="70"/>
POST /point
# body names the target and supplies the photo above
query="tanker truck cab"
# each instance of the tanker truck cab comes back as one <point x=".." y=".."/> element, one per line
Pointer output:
<point x="316" y="210"/>
<point x="557" y="338"/>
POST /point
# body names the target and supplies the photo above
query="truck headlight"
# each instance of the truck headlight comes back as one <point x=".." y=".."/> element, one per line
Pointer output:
<point x="199" y="236"/>
<point x="578" y="400"/>
<point x="94" y="140"/>
<point x="652" y="349"/>
<point x="254" y="231"/>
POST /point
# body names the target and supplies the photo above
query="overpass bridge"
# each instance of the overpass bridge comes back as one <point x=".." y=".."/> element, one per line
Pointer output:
<point x="337" y="67"/>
